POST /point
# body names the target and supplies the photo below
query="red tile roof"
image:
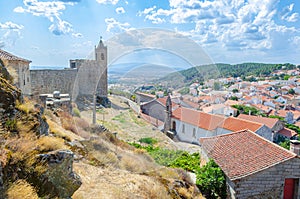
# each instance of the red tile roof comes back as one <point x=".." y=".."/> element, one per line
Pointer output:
<point x="7" y="56"/>
<point x="243" y="153"/>
<point x="269" y="122"/>
<point x="163" y="101"/>
<point x="236" y="124"/>
<point x="198" y="118"/>
<point x="287" y="132"/>
<point x="211" y="121"/>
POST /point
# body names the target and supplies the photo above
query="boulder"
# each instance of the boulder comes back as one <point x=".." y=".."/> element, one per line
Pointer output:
<point x="59" y="180"/>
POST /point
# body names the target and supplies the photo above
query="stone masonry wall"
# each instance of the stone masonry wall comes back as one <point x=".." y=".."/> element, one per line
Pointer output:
<point x="265" y="132"/>
<point x="268" y="183"/>
<point x="47" y="81"/>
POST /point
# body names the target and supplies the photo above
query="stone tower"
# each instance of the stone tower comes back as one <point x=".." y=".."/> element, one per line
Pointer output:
<point x="167" y="125"/>
<point x="101" y="59"/>
<point x="92" y="75"/>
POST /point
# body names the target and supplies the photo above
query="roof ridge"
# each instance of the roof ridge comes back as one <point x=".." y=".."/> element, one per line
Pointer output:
<point x="12" y="57"/>
<point x="272" y="143"/>
<point x="248" y="121"/>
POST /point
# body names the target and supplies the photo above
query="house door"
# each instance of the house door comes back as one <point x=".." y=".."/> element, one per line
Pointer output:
<point x="174" y="126"/>
<point x="289" y="188"/>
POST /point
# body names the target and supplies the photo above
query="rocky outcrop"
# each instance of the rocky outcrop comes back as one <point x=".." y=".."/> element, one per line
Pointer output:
<point x="59" y="180"/>
<point x="43" y="128"/>
<point x="8" y="96"/>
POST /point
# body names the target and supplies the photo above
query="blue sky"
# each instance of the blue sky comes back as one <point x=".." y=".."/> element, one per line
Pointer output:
<point x="229" y="31"/>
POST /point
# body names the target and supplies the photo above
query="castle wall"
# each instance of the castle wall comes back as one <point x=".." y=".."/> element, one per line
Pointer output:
<point x="47" y="81"/>
<point x="83" y="78"/>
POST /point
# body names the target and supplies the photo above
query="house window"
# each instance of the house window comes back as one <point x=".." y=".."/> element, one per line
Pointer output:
<point x="102" y="56"/>
<point x="183" y="128"/>
<point x="27" y="79"/>
<point x="194" y="133"/>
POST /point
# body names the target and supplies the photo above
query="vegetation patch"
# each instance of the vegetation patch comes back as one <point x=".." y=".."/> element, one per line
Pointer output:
<point x="148" y="140"/>
<point x="211" y="180"/>
<point x="121" y="118"/>
<point x="172" y="158"/>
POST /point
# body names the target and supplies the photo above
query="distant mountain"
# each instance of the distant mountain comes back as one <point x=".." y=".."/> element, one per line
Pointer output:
<point x="138" y="71"/>
<point x="205" y="72"/>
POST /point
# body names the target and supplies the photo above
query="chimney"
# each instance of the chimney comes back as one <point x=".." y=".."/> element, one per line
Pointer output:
<point x="295" y="146"/>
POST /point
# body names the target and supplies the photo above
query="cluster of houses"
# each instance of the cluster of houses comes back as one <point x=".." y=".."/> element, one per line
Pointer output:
<point x="243" y="145"/>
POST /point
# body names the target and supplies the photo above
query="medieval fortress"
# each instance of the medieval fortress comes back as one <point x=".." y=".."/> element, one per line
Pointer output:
<point x="83" y="78"/>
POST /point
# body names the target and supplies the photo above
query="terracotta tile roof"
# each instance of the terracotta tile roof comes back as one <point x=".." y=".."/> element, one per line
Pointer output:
<point x="287" y="132"/>
<point x="211" y="121"/>
<point x="236" y="124"/>
<point x="269" y="122"/>
<point x="198" y="118"/>
<point x="7" y="56"/>
<point x="163" y="101"/>
<point x="243" y="153"/>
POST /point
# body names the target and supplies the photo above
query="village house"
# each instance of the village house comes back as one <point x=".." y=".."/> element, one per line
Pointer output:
<point x="156" y="108"/>
<point x="19" y="69"/>
<point x="220" y="109"/>
<point x="254" y="166"/>
<point x="274" y="124"/>
<point x="190" y="125"/>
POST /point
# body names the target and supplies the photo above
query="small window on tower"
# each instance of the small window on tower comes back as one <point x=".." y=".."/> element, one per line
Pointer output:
<point x="102" y="56"/>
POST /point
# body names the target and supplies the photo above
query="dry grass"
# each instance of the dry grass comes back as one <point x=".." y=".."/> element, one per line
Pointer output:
<point x="58" y="131"/>
<point x="157" y="190"/>
<point x="74" y="124"/>
<point x="185" y="193"/>
<point x="47" y="143"/>
<point x="21" y="190"/>
<point x="26" y="107"/>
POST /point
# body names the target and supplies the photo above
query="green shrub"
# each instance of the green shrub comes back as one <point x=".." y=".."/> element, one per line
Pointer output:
<point x="11" y="124"/>
<point x="76" y="112"/>
<point x="172" y="158"/>
<point x="210" y="179"/>
<point x="148" y="140"/>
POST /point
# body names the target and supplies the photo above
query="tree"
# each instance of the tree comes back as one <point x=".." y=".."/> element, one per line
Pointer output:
<point x="234" y="98"/>
<point x="291" y="91"/>
<point x="235" y="90"/>
<point x="217" y="86"/>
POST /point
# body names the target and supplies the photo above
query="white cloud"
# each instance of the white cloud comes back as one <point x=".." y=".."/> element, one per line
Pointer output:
<point x="77" y="35"/>
<point x="114" y="2"/>
<point x="115" y="26"/>
<point x="51" y="10"/>
<point x="120" y="10"/>
<point x="293" y="18"/>
<point x="10" y="26"/>
<point x="61" y="28"/>
<point x="234" y="24"/>
<point x="287" y="15"/>
<point x="11" y="33"/>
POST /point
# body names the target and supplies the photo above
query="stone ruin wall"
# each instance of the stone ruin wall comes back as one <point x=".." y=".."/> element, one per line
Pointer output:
<point x="47" y="81"/>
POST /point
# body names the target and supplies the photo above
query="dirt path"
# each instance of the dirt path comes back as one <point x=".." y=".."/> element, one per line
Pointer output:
<point x="130" y="128"/>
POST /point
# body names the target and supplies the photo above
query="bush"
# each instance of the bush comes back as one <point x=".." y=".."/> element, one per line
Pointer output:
<point x="148" y="140"/>
<point x="211" y="180"/>
<point x="76" y="112"/>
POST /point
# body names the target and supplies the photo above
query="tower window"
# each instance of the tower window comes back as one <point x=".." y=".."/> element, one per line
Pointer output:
<point x="102" y="56"/>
